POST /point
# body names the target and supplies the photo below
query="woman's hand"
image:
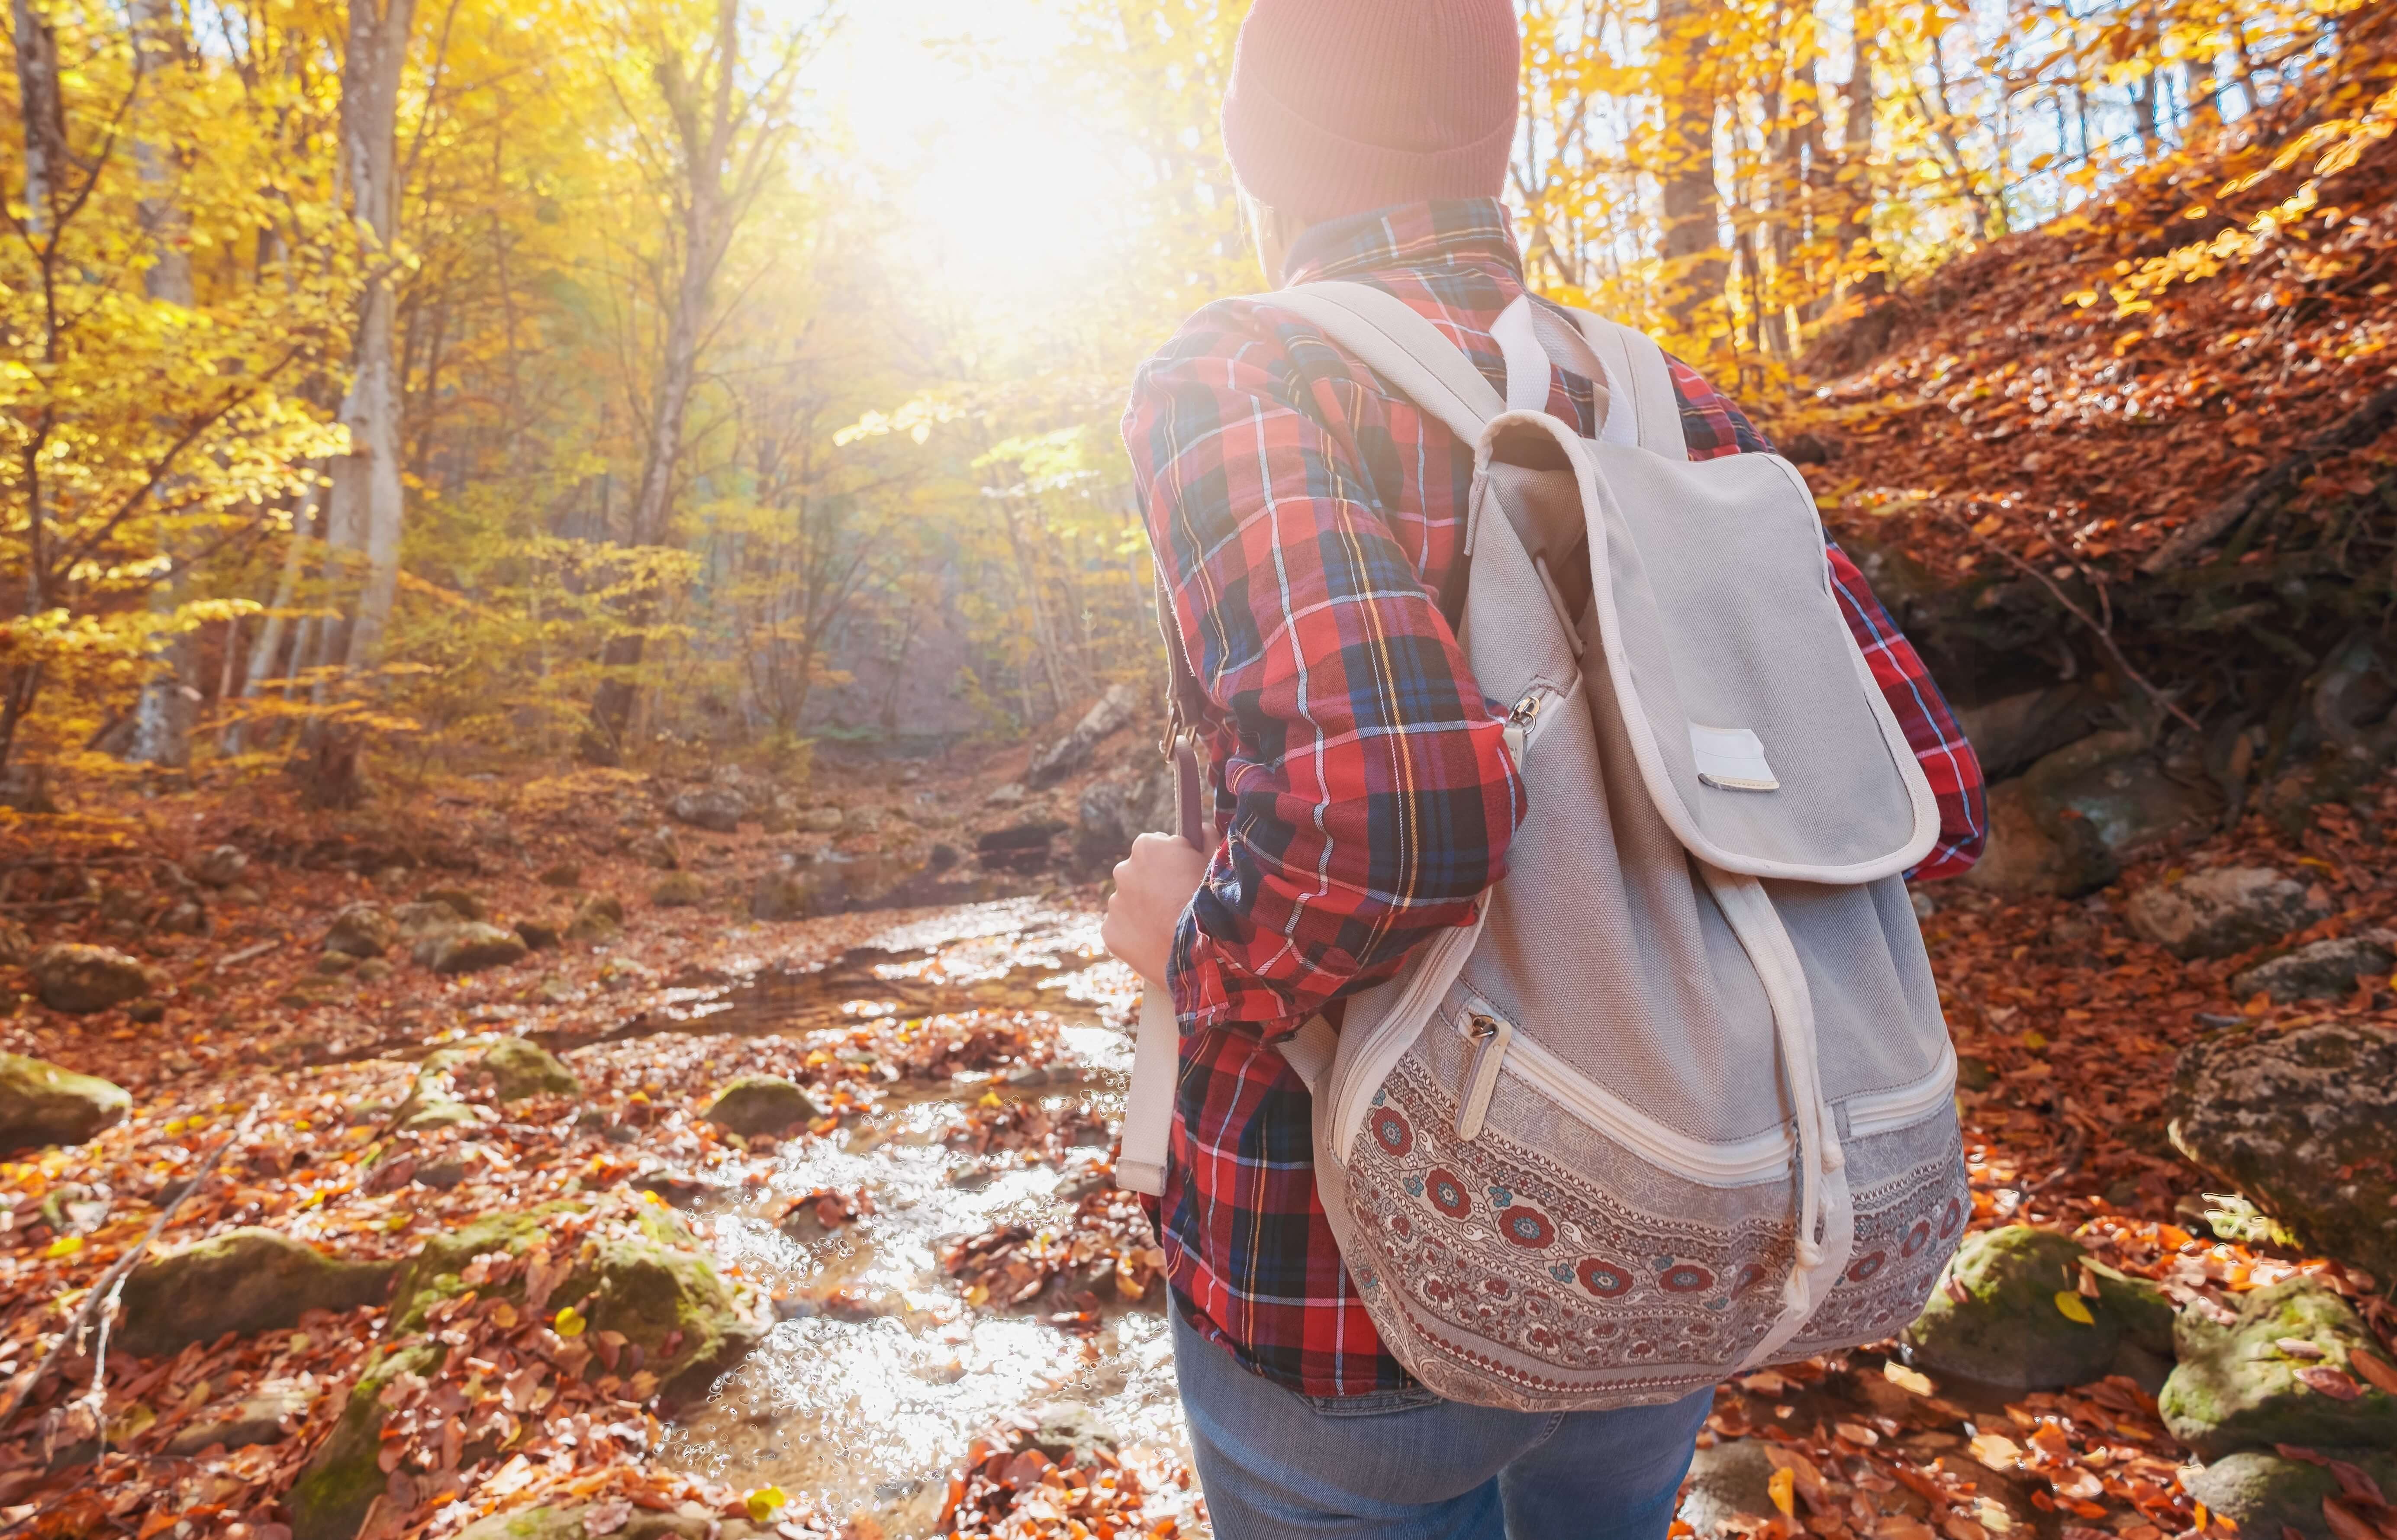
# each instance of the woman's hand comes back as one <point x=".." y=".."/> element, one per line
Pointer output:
<point x="1153" y="885"/>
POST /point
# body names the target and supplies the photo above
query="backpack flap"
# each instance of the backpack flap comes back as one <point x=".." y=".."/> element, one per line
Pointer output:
<point x="1760" y="732"/>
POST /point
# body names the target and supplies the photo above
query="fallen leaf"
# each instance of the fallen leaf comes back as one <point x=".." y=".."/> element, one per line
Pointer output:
<point x="2071" y="1308"/>
<point x="2376" y="1368"/>
<point x="2330" y="1382"/>
<point x="1783" y="1489"/>
<point x="1913" y="1381"/>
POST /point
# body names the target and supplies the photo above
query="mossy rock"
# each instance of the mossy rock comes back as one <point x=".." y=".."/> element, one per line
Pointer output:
<point x="2009" y="1331"/>
<point x="2267" y="1495"/>
<point x="598" y="918"/>
<point x="760" y="1103"/>
<point x="2236" y="1388"/>
<point x="470" y="948"/>
<point x="679" y="891"/>
<point x="439" y="1112"/>
<point x="688" y="1522"/>
<point x="43" y="1103"/>
<point x="330" y="1499"/>
<point x="244" y="1280"/>
<point x="648" y="1286"/>
<point x="517" y="1069"/>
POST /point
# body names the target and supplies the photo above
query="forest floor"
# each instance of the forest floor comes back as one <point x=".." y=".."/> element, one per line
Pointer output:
<point x="2068" y="1024"/>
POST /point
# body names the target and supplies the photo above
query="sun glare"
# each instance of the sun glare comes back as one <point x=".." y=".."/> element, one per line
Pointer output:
<point x="1002" y="193"/>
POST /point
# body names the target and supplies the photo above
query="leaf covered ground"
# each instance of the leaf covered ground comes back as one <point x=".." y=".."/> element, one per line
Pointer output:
<point x="2066" y="1023"/>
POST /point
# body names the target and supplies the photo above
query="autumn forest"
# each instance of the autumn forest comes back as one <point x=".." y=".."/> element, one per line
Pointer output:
<point x="576" y="649"/>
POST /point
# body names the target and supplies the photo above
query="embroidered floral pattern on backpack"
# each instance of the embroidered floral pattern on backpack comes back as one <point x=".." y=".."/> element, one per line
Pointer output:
<point x="1907" y="1226"/>
<point x="1497" y="1241"/>
<point x="1492" y="1244"/>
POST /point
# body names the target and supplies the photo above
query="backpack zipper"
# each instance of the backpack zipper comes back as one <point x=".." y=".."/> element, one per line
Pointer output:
<point x="1490" y="1035"/>
<point x="1716" y="1164"/>
<point x="1441" y="959"/>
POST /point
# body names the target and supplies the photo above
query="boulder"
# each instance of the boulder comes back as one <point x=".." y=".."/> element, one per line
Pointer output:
<point x="720" y="809"/>
<point x="1111" y="813"/>
<point x="2020" y="856"/>
<point x="2305" y="1124"/>
<point x="760" y="1103"/>
<point x="465" y="905"/>
<point x="2013" y="732"/>
<point x="440" y="1112"/>
<point x="566" y="873"/>
<point x="16" y="945"/>
<point x="470" y="948"/>
<point x="1070" y="1434"/>
<point x="2270" y="1495"/>
<point x="260" y="1419"/>
<point x="416" y="921"/>
<point x="2320" y="970"/>
<point x="1729" y="1488"/>
<point x="43" y="1103"/>
<point x="792" y="894"/>
<point x="822" y="820"/>
<point x="517" y="1067"/>
<point x="679" y="891"/>
<point x="2009" y="1331"/>
<point x="362" y="930"/>
<point x="1114" y="712"/>
<point x="186" y="915"/>
<point x="686" y="1521"/>
<point x="244" y="1280"/>
<point x="333" y="1494"/>
<point x="598" y="918"/>
<point x="2241" y="1387"/>
<point x="83" y="979"/>
<point x="539" y="936"/>
<point x="2130" y="801"/>
<point x="649" y="1280"/>
<point x="220" y="868"/>
<point x="1020" y="846"/>
<point x="654" y="847"/>
<point x="2228" y="909"/>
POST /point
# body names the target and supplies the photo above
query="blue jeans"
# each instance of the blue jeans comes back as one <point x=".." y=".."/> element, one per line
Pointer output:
<point x="1405" y="1465"/>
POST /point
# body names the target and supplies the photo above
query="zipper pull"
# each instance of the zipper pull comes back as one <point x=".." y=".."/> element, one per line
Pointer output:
<point x="1490" y="1037"/>
<point x="1518" y="727"/>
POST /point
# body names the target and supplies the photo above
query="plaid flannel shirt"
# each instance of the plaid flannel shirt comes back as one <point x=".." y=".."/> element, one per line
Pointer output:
<point x="1303" y="517"/>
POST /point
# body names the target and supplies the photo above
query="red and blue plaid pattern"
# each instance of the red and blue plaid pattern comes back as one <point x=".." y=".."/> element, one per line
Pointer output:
<point x="1303" y="517"/>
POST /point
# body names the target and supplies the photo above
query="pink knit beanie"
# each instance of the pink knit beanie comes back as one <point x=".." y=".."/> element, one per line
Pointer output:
<point x="1338" y="106"/>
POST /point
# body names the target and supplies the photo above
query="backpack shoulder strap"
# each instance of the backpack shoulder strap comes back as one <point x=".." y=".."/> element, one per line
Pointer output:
<point x="1400" y="346"/>
<point x="1636" y="365"/>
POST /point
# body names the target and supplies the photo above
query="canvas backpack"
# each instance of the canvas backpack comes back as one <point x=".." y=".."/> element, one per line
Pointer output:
<point x="1680" y="1102"/>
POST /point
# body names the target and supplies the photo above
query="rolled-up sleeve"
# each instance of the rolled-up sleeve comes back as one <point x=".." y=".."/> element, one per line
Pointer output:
<point x="1368" y="794"/>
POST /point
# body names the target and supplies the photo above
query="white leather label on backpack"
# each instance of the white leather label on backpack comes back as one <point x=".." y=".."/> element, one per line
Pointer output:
<point x="1732" y="758"/>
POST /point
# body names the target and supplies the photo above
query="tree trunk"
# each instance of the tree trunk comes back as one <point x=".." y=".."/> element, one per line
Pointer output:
<point x="366" y="509"/>
<point x="1857" y="253"/>
<point x="268" y="646"/>
<point x="43" y="105"/>
<point x="163" y="716"/>
<point x="706" y="116"/>
<point x="1694" y="254"/>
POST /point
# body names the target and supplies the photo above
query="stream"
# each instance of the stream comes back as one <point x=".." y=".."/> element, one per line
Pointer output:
<point x="866" y="1408"/>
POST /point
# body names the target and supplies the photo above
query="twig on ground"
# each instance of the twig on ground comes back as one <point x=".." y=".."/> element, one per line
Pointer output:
<point x="105" y="1292"/>
<point x="2104" y="637"/>
<point x="237" y="958"/>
